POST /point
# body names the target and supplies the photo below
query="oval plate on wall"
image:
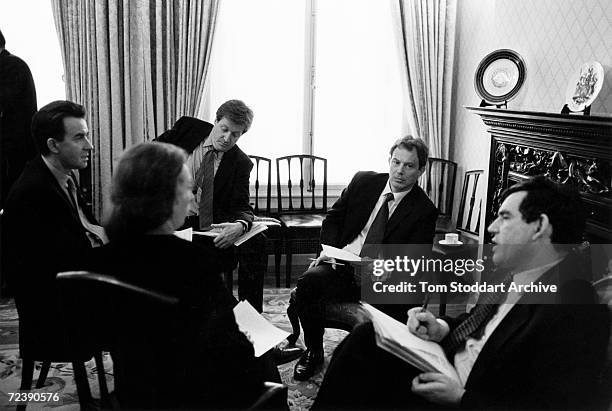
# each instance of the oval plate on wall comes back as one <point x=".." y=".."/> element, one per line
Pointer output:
<point x="584" y="86"/>
<point x="499" y="76"/>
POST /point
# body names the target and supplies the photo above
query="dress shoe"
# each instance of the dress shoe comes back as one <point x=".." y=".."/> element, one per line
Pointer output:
<point x="288" y="353"/>
<point x="308" y="365"/>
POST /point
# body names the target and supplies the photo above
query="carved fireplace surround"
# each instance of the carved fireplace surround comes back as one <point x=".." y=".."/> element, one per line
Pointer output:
<point x="568" y="148"/>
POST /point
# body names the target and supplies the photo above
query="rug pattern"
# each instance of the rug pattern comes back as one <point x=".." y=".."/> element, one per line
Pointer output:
<point x="60" y="378"/>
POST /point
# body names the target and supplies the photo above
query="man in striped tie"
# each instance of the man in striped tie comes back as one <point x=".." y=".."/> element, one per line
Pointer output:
<point x="514" y="350"/>
<point x="221" y="173"/>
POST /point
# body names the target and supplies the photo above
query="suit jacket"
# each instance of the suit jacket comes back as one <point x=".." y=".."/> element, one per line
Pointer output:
<point x="231" y="191"/>
<point x="17" y="106"/>
<point x="543" y="356"/>
<point x="41" y="236"/>
<point x="412" y="222"/>
<point x="208" y="349"/>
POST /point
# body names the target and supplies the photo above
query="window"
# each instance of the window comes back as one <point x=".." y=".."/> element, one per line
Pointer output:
<point x="30" y="34"/>
<point x="261" y="54"/>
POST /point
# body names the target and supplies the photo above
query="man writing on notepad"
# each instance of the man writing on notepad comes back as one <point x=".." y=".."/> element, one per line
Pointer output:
<point x="221" y="190"/>
<point x="513" y="350"/>
<point x="375" y="209"/>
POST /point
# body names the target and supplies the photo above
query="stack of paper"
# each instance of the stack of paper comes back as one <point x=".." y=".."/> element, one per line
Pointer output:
<point x="395" y="337"/>
<point x="257" y="329"/>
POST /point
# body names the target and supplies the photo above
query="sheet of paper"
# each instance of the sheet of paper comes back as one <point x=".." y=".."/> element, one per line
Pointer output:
<point x="339" y="254"/>
<point x="210" y="233"/>
<point x="186" y="234"/>
<point x="262" y="334"/>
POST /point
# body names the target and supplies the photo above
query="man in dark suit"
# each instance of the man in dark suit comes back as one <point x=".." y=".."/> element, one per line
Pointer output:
<point x="374" y="209"/>
<point x="214" y="145"/>
<point x="533" y="351"/>
<point x="46" y="226"/>
<point x="17" y="106"/>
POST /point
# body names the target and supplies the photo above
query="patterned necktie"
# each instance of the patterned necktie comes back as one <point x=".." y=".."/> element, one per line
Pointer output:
<point x="475" y="323"/>
<point x="95" y="233"/>
<point x="376" y="233"/>
<point x="205" y="178"/>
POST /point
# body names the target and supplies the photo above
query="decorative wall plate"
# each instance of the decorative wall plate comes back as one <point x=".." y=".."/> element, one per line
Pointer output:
<point x="584" y="86"/>
<point x="499" y="76"/>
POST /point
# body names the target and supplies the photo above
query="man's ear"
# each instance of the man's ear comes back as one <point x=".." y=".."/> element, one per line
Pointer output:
<point x="52" y="145"/>
<point x="544" y="229"/>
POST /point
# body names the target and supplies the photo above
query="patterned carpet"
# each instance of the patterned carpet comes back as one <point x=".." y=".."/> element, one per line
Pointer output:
<point x="60" y="379"/>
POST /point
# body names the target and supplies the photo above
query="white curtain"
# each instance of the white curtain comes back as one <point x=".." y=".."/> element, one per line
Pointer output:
<point x="426" y="33"/>
<point x="136" y="66"/>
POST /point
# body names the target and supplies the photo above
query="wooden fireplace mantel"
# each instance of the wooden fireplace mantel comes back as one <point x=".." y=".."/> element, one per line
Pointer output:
<point x="573" y="149"/>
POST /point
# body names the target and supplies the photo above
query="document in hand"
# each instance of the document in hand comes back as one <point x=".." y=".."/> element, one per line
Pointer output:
<point x="339" y="254"/>
<point x="394" y="337"/>
<point x="257" y="329"/>
<point x="256" y="228"/>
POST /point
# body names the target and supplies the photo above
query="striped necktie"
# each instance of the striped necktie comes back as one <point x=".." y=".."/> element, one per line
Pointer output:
<point x="475" y="323"/>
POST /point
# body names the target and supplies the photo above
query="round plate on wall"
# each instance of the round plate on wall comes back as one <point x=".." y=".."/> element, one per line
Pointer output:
<point x="499" y="76"/>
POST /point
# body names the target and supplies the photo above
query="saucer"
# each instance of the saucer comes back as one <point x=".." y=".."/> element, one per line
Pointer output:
<point x="444" y="242"/>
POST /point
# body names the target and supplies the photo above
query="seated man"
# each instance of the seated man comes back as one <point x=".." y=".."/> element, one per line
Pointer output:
<point x="46" y="225"/>
<point x="221" y="190"/>
<point x="534" y="351"/>
<point x="375" y="208"/>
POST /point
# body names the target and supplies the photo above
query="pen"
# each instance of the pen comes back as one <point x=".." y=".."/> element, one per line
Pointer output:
<point x="425" y="302"/>
<point x="325" y="261"/>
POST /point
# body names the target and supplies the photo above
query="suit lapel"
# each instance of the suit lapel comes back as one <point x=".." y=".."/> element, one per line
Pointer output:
<point x="55" y="187"/>
<point x="510" y="325"/>
<point x="223" y="172"/>
<point x="404" y="208"/>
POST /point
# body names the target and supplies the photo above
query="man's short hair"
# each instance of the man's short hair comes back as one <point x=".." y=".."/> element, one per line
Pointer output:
<point x="237" y="112"/>
<point x="413" y="143"/>
<point x="48" y="122"/>
<point x="2" y="40"/>
<point x="144" y="189"/>
<point x="561" y="203"/>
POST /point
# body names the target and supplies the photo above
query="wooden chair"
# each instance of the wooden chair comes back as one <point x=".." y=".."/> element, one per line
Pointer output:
<point x="470" y="207"/>
<point x="262" y="174"/>
<point x="301" y="208"/>
<point x="63" y="349"/>
<point x="438" y="182"/>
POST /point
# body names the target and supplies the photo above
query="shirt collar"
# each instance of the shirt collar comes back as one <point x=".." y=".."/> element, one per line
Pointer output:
<point x="60" y="175"/>
<point x="397" y="197"/>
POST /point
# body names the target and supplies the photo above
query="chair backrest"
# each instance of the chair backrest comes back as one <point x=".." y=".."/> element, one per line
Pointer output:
<point x="309" y="197"/>
<point x="438" y="182"/>
<point x="125" y="319"/>
<point x="263" y="174"/>
<point x="470" y="207"/>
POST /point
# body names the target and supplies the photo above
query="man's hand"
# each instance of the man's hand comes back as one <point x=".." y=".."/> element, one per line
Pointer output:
<point x="323" y="258"/>
<point x="424" y="325"/>
<point x="228" y="235"/>
<point x="438" y="388"/>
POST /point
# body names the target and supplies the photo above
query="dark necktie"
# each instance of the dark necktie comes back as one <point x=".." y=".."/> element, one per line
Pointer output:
<point x="475" y="323"/>
<point x="205" y="178"/>
<point x="376" y="233"/>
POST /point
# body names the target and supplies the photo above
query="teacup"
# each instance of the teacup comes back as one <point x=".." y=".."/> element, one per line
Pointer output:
<point x="451" y="238"/>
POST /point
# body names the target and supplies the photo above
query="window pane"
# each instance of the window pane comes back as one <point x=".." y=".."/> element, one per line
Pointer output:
<point x="258" y="57"/>
<point x="29" y="30"/>
<point x="358" y="100"/>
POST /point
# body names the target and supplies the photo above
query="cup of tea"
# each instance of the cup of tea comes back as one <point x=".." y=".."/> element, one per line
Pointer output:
<point x="451" y="238"/>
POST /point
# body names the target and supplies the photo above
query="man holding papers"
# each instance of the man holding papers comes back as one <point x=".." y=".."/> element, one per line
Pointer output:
<point x="221" y="173"/>
<point x="375" y="208"/>
<point x="512" y="351"/>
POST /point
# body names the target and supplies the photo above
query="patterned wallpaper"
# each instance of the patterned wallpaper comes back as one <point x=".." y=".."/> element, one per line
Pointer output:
<point x="554" y="37"/>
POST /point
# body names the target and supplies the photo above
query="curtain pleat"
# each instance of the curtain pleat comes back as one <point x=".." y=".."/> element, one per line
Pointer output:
<point x="136" y="66"/>
<point x="426" y="32"/>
